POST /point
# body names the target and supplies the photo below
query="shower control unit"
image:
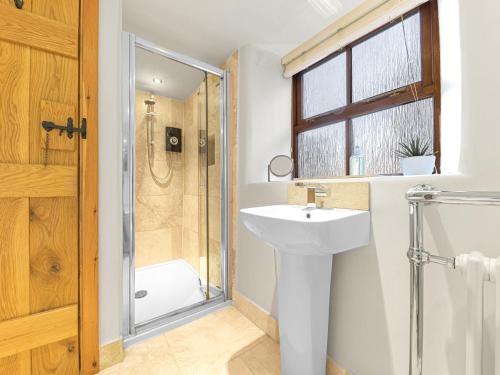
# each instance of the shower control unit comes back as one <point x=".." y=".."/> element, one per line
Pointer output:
<point x="173" y="139"/>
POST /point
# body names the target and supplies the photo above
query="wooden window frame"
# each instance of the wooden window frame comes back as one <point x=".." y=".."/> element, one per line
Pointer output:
<point x="428" y="87"/>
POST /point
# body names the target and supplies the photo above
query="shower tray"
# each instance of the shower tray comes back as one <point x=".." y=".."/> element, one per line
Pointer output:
<point x="169" y="287"/>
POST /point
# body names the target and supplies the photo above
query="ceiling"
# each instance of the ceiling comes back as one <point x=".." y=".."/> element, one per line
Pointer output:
<point x="178" y="81"/>
<point x="210" y="30"/>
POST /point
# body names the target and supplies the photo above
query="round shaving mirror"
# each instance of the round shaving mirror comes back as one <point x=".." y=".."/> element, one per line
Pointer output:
<point x="280" y="166"/>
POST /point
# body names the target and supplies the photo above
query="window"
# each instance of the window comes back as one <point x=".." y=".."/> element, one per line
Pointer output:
<point x="378" y="91"/>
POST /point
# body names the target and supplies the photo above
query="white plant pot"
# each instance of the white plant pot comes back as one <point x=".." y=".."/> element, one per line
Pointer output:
<point x="418" y="165"/>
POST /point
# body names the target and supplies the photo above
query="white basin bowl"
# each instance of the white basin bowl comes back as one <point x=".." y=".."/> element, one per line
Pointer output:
<point x="308" y="231"/>
<point x="306" y="238"/>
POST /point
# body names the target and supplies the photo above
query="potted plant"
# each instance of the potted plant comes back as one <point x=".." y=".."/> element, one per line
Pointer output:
<point x="415" y="157"/>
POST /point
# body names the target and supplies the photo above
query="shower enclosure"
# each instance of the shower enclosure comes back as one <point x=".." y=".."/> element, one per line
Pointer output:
<point x="175" y="203"/>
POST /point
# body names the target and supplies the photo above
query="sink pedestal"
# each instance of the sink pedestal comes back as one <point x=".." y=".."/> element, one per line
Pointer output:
<point x="304" y="304"/>
<point x="306" y="239"/>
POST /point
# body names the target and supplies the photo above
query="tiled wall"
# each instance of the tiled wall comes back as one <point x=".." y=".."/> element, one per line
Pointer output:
<point x="214" y="90"/>
<point x="158" y="220"/>
<point x="231" y="65"/>
<point x="353" y="195"/>
<point x="194" y="229"/>
<point x="171" y="221"/>
<point x="191" y="188"/>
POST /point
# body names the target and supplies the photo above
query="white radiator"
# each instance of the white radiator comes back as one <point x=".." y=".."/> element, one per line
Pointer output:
<point x="478" y="269"/>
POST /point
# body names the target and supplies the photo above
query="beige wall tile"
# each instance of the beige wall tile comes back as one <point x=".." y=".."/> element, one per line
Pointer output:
<point x="214" y="216"/>
<point x="232" y="66"/>
<point x="145" y="185"/>
<point x="214" y="263"/>
<point x="160" y="210"/>
<point x="353" y="195"/>
<point x="214" y="180"/>
<point x="111" y="354"/>
<point x="190" y="248"/>
<point x="191" y="145"/>
<point x="256" y="315"/>
<point x="190" y="216"/>
<point x="158" y="246"/>
<point x="157" y="212"/>
<point x="158" y="206"/>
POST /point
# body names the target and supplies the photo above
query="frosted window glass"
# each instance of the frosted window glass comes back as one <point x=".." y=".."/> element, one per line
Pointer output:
<point x="324" y="87"/>
<point x="322" y="151"/>
<point x="380" y="64"/>
<point x="379" y="134"/>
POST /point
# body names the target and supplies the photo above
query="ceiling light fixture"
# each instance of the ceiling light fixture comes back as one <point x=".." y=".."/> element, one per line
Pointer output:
<point x="157" y="81"/>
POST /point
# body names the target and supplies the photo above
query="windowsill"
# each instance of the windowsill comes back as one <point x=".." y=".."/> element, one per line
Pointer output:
<point x="398" y="178"/>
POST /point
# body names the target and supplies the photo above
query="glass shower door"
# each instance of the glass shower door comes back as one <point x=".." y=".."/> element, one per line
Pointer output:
<point x="172" y="187"/>
<point x="210" y="187"/>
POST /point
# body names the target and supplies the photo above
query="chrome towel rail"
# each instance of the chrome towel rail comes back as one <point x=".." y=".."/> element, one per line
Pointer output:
<point x="418" y="197"/>
<point x="427" y="194"/>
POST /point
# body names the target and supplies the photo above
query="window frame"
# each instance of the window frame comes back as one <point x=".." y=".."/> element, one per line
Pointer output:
<point x="428" y="87"/>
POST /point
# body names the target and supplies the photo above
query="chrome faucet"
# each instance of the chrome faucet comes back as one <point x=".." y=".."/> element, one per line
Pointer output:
<point x="311" y="197"/>
<point x="321" y="191"/>
<point x="315" y="192"/>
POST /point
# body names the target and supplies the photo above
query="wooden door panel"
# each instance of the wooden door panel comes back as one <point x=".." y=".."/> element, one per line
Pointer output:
<point x="32" y="331"/>
<point x="35" y="180"/>
<point x="14" y="258"/>
<point x="14" y="273"/>
<point x="23" y="27"/>
<point x="39" y="202"/>
<point x="60" y="358"/>
<point x="58" y="10"/>
<point x="18" y="364"/>
<point x="14" y="101"/>
<point x="26" y="7"/>
<point x="53" y="253"/>
<point x="54" y="79"/>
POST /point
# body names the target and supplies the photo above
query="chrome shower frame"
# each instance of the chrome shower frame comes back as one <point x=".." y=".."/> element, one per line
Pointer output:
<point x="131" y="331"/>
<point x="418" y="197"/>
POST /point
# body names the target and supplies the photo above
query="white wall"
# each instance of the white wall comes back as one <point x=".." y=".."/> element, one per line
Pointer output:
<point x="110" y="224"/>
<point x="264" y="111"/>
<point x="370" y="286"/>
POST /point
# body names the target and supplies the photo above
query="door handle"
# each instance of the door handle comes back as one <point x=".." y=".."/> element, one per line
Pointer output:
<point x="19" y="4"/>
<point x="69" y="128"/>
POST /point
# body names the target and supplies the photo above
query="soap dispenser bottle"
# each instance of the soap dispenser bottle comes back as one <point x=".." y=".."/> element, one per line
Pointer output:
<point x="357" y="162"/>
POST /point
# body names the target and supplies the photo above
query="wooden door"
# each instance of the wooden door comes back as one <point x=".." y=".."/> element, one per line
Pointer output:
<point x="39" y="190"/>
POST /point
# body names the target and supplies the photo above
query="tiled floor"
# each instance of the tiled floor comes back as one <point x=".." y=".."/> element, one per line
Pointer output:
<point x="223" y="343"/>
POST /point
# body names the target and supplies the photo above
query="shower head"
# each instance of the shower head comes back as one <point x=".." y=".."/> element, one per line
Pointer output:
<point x="150" y="101"/>
<point x="150" y="106"/>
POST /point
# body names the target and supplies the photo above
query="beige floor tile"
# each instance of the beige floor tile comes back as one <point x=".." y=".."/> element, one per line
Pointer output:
<point x="262" y="357"/>
<point x="223" y="343"/>
<point x="236" y="366"/>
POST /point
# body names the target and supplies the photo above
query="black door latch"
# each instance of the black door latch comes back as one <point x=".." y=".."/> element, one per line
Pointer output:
<point x="69" y="128"/>
<point x="19" y="4"/>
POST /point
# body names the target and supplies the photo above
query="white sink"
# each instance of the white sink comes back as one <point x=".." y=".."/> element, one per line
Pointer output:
<point x="306" y="238"/>
<point x="305" y="231"/>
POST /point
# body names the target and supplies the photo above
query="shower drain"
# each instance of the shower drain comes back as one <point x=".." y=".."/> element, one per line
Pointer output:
<point x="141" y="294"/>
